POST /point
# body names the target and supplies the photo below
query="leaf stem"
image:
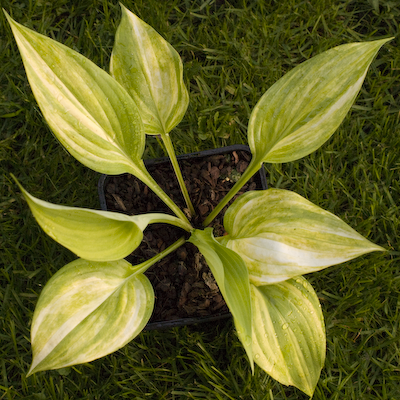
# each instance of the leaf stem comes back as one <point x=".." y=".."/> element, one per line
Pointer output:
<point x="171" y="153"/>
<point x="147" y="179"/>
<point x="253" y="167"/>
<point x="147" y="264"/>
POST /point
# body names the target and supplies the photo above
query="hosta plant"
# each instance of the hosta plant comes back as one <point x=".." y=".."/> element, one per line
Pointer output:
<point x="99" y="302"/>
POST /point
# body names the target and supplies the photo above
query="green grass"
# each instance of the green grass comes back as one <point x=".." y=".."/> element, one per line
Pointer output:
<point x="232" y="52"/>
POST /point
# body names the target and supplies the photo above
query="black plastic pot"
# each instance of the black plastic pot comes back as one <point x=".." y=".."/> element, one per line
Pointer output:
<point x="152" y="162"/>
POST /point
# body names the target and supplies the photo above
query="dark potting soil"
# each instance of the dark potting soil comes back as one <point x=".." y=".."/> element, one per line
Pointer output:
<point x="183" y="283"/>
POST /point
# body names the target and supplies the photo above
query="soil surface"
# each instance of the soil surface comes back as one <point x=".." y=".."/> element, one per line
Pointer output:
<point x="183" y="283"/>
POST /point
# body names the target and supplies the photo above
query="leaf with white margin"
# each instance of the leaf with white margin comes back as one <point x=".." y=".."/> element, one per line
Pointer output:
<point x="89" y="112"/>
<point x="279" y="235"/>
<point x="88" y="310"/>
<point x="151" y="71"/>
<point x="303" y="109"/>
<point x="92" y="234"/>
<point x="289" y="340"/>
<point x="232" y="278"/>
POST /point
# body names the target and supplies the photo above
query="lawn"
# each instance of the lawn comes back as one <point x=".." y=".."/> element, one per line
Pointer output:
<point x="232" y="51"/>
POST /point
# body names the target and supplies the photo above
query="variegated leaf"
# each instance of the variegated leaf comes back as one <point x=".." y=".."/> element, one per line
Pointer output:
<point x="304" y="108"/>
<point x="233" y="281"/>
<point x="151" y="70"/>
<point x="289" y="333"/>
<point x="279" y="235"/>
<point x="92" y="234"/>
<point x="88" y="310"/>
<point x="90" y="113"/>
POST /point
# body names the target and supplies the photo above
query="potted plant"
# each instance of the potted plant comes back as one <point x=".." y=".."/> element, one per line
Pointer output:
<point x="273" y="237"/>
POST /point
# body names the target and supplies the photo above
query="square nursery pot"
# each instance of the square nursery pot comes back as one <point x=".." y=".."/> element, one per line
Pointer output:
<point x="185" y="290"/>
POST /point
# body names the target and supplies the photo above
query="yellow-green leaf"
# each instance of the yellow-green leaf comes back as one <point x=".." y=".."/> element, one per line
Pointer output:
<point x="304" y="108"/>
<point x="279" y="235"/>
<point x="151" y="70"/>
<point x="89" y="112"/>
<point x="88" y="310"/>
<point x="289" y="333"/>
<point x="92" y="234"/>
<point x="233" y="281"/>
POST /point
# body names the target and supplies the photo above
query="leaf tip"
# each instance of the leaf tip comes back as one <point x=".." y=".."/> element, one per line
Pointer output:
<point x="374" y="247"/>
<point x="31" y="370"/>
<point x="252" y="367"/>
<point x="26" y="194"/>
<point x="123" y="8"/>
<point x="17" y="182"/>
<point x="125" y="11"/>
<point x="11" y="21"/>
<point x="7" y="15"/>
